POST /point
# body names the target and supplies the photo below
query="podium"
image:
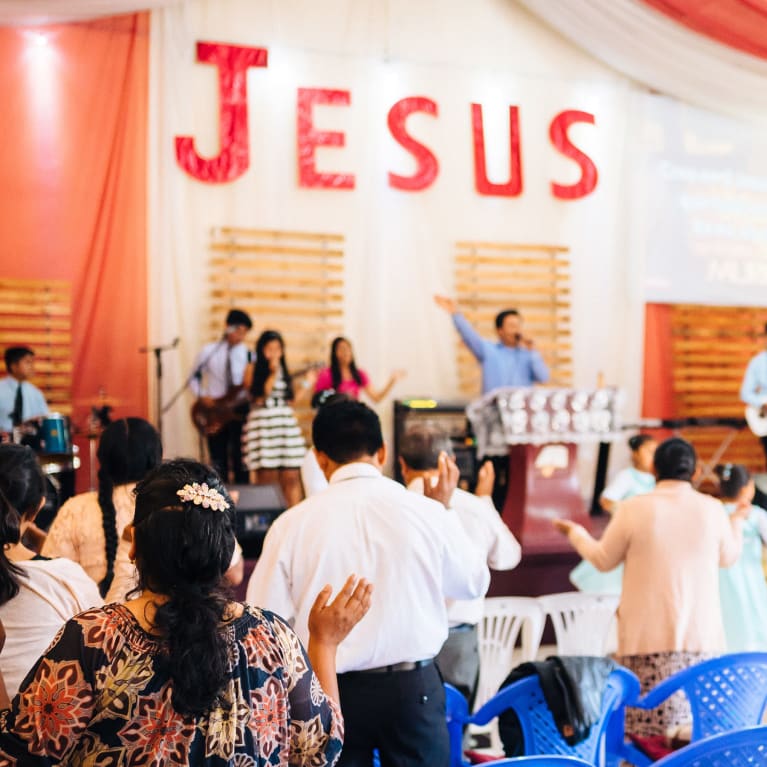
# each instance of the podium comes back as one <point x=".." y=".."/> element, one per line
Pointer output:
<point x="540" y="430"/>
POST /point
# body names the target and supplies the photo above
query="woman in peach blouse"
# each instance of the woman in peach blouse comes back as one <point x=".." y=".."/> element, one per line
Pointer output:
<point x="88" y="527"/>
<point x="672" y="542"/>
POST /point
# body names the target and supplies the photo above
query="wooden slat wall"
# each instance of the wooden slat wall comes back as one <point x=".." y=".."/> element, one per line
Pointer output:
<point x="292" y="282"/>
<point x="535" y="279"/>
<point x="38" y="314"/>
<point x="711" y="347"/>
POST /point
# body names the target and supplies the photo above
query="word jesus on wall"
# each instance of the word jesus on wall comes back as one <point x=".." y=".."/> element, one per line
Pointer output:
<point x="233" y="62"/>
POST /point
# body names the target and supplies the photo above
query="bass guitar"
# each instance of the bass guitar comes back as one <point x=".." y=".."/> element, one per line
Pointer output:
<point x="211" y="416"/>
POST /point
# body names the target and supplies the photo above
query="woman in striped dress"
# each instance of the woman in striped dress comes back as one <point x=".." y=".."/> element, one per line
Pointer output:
<point x="272" y="443"/>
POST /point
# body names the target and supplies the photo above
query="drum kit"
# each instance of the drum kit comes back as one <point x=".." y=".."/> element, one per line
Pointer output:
<point x="50" y="436"/>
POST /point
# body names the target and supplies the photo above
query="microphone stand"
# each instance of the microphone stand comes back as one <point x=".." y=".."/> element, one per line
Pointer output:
<point x="157" y="351"/>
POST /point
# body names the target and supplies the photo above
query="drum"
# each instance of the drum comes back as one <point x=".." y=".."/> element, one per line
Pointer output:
<point x="54" y="434"/>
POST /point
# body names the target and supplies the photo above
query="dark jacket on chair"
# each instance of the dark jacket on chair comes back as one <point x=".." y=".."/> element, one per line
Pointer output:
<point x="572" y="687"/>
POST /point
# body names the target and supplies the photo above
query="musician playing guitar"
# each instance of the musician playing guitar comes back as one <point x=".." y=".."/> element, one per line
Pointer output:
<point x="753" y="392"/>
<point x="217" y="381"/>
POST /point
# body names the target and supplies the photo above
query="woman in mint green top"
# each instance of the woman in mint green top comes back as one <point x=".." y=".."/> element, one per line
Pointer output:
<point x="742" y="587"/>
<point x="637" y="479"/>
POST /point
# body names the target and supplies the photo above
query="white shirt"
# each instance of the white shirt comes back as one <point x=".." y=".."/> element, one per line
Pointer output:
<point x="214" y="369"/>
<point x="50" y="593"/>
<point x="312" y="477"/>
<point x="33" y="402"/>
<point x="483" y="526"/>
<point x="411" y="548"/>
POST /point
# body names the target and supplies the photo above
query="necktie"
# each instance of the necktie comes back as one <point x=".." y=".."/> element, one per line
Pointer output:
<point x="18" y="406"/>
<point x="229" y="380"/>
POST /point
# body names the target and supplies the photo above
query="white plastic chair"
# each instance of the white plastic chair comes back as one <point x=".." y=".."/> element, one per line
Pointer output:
<point x="506" y="619"/>
<point x="583" y="623"/>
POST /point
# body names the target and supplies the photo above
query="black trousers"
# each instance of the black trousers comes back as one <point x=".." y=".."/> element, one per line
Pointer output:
<point x="402" y="714"/>
<point x="225" y="450"/>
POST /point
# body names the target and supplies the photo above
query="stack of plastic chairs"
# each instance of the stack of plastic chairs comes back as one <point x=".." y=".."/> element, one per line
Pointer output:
<point x="541" y="761"/>
<point x="539" y="730"/>
<point x="725" y="694"/>
<point x="583" y="623"/>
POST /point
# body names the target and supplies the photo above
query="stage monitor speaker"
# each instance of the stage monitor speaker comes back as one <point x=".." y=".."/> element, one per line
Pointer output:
<point x="257" y="507"/>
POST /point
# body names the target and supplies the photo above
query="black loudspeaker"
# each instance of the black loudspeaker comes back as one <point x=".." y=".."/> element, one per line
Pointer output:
<point x="257" y="507"/>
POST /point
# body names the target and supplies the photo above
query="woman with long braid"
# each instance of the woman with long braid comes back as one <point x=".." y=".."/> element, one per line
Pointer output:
<point x="88" y="527"/>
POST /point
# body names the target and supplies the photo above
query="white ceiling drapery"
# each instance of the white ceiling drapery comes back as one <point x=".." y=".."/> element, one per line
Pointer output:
<point x="656" y="51"/>
<point x="29" y="12"/>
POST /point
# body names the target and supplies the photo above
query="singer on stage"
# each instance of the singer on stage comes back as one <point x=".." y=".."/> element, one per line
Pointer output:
<point x="510" y="361"/>
<point x="219" y="368"/>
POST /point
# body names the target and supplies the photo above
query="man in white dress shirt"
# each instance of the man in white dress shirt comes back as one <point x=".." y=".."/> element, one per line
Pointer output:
<point x="458" y="660"/>
<point x="20" y="399"/>
<point x="416" y="555"/>
<point x="219" y="366"/>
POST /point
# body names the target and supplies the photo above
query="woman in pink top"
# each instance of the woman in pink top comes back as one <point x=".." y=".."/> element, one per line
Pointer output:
<point x="672" y="542"/>
<point x="345" y="377"/>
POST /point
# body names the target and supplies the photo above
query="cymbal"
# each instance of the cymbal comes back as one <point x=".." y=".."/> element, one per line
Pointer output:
<point x="98" y="400"/>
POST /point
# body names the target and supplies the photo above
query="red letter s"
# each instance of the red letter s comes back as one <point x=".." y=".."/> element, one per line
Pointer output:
<point x="428" y="167"/>
<point x="558" y="135"/>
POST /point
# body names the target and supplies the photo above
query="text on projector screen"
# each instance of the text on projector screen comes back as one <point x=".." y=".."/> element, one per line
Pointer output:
<point x="233" y="159"/>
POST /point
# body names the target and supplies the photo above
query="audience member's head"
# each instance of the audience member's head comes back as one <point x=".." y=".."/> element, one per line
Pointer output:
<point x="22" y="492"/>
<point x="421" y="446"/>
<point x="675" y="459"/>
<point x="14" y="355"/>
<point x="128" y="449"/>
<point x="183" y="541"/>
<point x="347" y="431"/>
<point x="643" y="447"/>
<point x="733" y="477"/>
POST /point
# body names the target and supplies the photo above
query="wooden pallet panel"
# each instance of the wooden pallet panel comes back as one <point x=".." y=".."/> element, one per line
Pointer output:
<point x="290" y="281"/>
<point x="535" y="279"/>
<point x="711" y="347"/>
<point x="38" y="314"/>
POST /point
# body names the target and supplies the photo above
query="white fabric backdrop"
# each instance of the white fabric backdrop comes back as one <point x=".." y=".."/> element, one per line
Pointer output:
<point x="655" y="50"/>
<point x="399" y="245"/>
<point x="57" y="11"/>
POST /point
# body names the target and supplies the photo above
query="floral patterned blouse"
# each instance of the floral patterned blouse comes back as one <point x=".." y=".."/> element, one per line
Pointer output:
<point x="96" y="698"/>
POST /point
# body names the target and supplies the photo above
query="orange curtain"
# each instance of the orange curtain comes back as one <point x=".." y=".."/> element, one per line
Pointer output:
<point x="658" y="388"/>
<point x="73" y="186"/>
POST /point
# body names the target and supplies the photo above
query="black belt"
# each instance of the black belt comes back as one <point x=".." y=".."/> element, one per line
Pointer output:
<point x="408" y="665"/>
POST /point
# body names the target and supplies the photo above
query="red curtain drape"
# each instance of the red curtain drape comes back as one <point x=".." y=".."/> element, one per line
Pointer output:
<point x="73" y="186"/>
<point x="658" y="386"/>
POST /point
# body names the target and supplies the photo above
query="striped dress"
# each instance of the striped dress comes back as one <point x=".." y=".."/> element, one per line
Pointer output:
<point x="272" y="438"/>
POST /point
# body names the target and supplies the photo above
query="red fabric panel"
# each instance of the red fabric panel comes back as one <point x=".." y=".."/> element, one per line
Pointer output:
<point x="73" y="185"/>
<point x="658" y="388"/>
<point x="739" y="24"/>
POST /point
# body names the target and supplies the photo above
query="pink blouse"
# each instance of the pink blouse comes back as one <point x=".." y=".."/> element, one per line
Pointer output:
<point x="349" y="387"/>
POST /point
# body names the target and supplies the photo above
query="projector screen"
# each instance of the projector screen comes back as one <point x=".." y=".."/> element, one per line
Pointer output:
<point x="702" y="203"/>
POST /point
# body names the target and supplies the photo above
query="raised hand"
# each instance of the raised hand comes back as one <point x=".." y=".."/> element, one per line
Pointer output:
<point x="447" y="481"/>
<point x="485" y="479"/>
<point x="331" y="622"/>
<point x="448" y="304"/>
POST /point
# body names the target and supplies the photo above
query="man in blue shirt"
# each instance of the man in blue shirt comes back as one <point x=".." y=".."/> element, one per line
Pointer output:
<point x="510" y="361"/>
<point x="20" y="400"/>
<point x="753" y="392"/>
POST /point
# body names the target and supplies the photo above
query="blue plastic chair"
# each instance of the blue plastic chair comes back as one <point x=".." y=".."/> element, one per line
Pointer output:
<point x="539" y="730"/>
<point x="541" y="761"/>
<point x="725" y="693"/>
<point x="740" y="748"/>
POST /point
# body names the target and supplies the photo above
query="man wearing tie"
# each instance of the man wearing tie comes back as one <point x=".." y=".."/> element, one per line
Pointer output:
<point x="219" y="366"/>
<point x="20" y="400"/>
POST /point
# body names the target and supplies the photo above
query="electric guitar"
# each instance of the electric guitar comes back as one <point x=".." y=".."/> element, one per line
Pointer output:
<point x="756" y="418"/>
